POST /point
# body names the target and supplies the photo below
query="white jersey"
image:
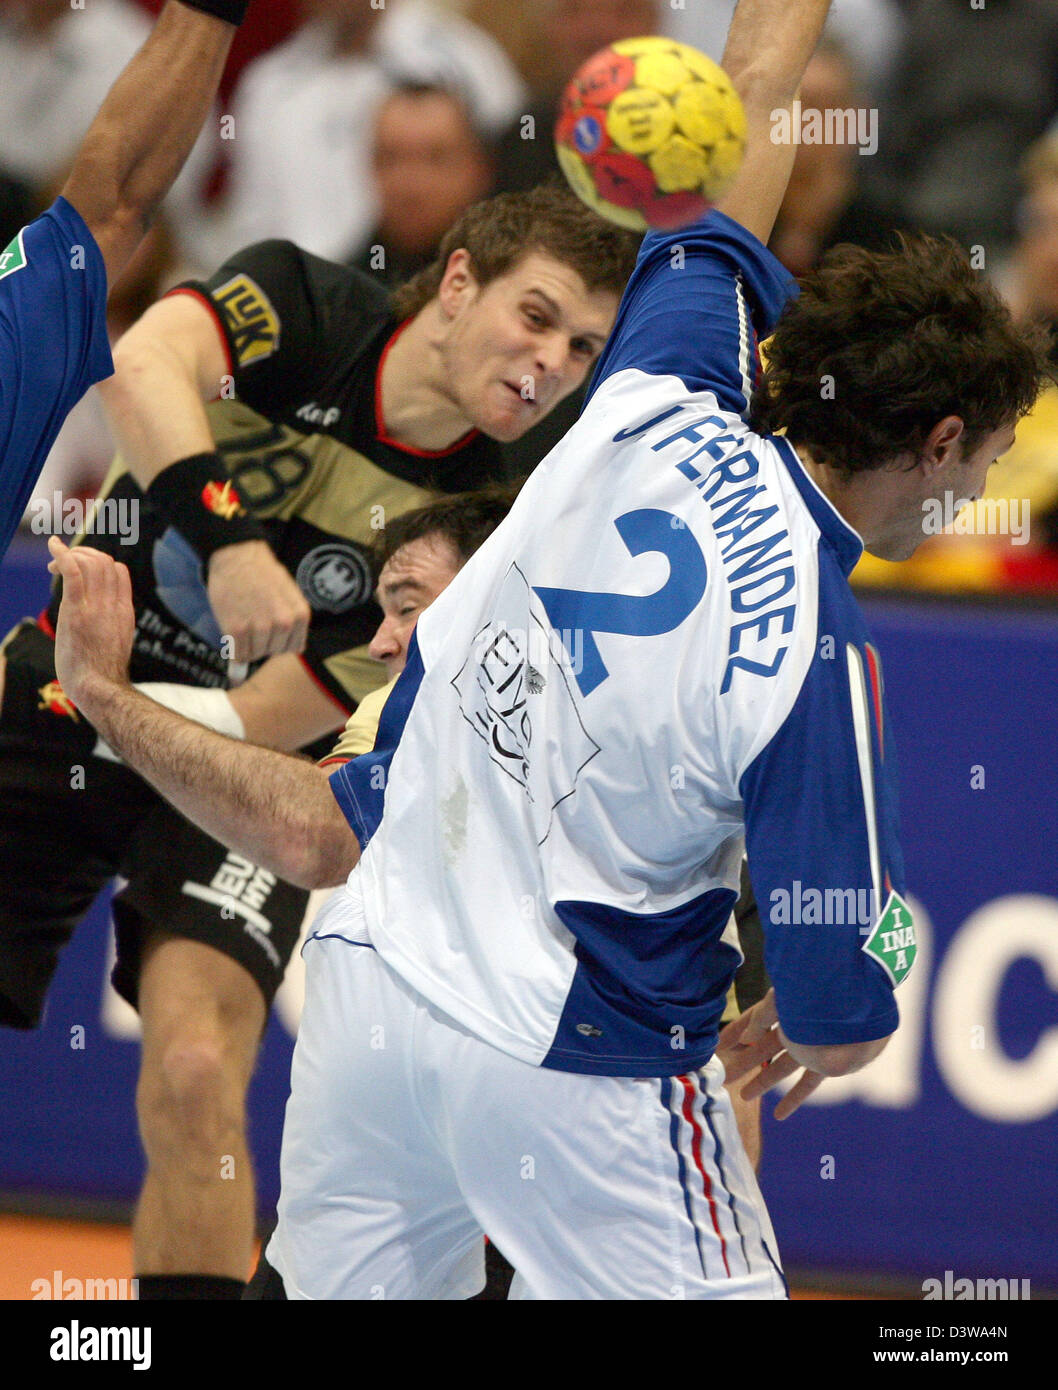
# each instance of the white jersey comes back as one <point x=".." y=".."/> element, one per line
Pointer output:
<point x="654" y="661"/>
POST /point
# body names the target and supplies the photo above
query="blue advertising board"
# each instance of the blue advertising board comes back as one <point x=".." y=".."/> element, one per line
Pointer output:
<point x="937" y="1160"/>
<point x="943" y="1153"/>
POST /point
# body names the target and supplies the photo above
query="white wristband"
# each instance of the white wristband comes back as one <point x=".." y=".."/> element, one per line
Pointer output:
<point x="211" y="708"/>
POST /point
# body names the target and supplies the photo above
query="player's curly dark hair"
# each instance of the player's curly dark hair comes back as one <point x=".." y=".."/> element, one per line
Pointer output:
<point x="465" y="519"/>
<point x="500" y="231"/>
<point x="881" y="346"/>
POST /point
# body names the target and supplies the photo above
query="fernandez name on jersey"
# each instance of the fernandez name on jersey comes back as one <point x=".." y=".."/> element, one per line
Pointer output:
<point x="655" y="662"/>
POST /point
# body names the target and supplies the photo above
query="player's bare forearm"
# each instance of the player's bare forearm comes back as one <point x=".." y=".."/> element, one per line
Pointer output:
<point x="166" y="366"/>
<point x="275" y="808"/>
<point x="155" y="412"/>
<point x="768" y="48"/>
<point x="282" y="706"/>
<point x="145" y="129"/>
<point x="769" y="44"/>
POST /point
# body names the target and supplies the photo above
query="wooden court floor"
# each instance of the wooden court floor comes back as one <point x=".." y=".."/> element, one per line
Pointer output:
<point x="39" y="1250"/>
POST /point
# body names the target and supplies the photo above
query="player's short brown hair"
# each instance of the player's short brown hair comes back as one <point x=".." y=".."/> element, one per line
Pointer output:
<point x="880" y="346"/>
<point x="465" y="519"/>
<point x="500" y="231"/>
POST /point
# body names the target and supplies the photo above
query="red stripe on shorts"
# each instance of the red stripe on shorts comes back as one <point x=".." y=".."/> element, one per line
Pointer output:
<point x="689" y="1093"/>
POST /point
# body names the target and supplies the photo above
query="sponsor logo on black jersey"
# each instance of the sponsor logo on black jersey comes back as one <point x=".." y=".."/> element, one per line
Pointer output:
<point x="253" y="323"/>
<point x="335" y="578"/>
<point x="314" y="414"/>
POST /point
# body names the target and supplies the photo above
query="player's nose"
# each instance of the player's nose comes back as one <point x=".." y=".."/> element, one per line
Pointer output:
<point x="385" y="645"/>
<point x="553" y="357"/>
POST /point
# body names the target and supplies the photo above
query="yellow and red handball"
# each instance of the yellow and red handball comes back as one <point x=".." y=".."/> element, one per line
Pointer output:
<point x="651" y="133"/>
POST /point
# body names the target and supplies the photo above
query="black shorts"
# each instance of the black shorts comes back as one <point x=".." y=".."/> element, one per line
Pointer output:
<point x="71" y="821"/>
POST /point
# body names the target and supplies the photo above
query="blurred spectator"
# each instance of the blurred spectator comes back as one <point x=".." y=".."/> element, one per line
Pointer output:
<point x="304" y="112"/>
<point x="569" y="32"/>
<point x="870" y="30"/>
<point x="516" y="28"/>
<point x="429" y="165"/>
<point x="84" y="451"/>
<point x="1031" y="278"/>
<point x="56" y="65"/>
<point x="267" y="23"/>
<point x="421" y="41"/>
<point x="1009" y="540"/>
<point x="971" y="88"/>
<point x="825" y="203"/>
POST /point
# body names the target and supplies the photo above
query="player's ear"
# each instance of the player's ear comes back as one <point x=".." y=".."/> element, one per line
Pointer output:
<point x="942" y="441"/>
<point x="457" y="284"/>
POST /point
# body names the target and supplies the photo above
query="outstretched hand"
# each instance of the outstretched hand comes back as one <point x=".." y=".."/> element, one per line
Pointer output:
<point x="96" y="624"/>
<point x="753" y="1042"/>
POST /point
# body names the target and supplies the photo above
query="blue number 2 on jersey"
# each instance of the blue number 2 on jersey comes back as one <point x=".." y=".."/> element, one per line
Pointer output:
<point x="631" y="615"/>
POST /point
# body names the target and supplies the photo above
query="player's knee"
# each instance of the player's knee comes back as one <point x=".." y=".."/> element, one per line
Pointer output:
<point x="191" y="1094"/>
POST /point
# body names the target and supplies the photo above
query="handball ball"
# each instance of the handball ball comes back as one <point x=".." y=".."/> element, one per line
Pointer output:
<point x="651" y="133"/>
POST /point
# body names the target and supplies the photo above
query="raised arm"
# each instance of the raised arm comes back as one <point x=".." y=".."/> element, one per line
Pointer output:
<point x="166" y="367"/>
<point x="276" y="809"/>
<point x="768" y="48"/>
<point x="684" y="313"/>
<point x="146" y="127"/>
<point x="168" y="364"/>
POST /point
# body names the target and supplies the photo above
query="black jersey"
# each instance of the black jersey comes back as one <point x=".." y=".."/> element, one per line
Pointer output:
<point x="300" y="431"/>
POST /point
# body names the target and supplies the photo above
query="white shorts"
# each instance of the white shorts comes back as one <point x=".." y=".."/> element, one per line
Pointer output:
<point x="406" y="1137"/>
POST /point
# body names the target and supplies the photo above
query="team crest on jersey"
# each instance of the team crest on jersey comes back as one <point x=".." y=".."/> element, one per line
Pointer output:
<point x="334" y="578"/>
<point x="222" y="500"/>
<point x="54" y="699"/>
<point x="253" y="323"/>
<point x="13" y="257"/>
<point x="517" y="660"/>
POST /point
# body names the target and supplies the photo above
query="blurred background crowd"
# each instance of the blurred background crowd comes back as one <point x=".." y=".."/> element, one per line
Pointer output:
<point x="360" y="129"/>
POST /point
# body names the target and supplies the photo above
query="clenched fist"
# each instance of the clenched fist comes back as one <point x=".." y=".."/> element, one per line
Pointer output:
<point x="256" y="602"/>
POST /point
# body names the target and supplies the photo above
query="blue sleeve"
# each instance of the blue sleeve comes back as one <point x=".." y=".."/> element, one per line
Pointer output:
<point x="819" y="887"/>
<point x="698" y="304"/>
<point x="53" y="345"/>
<point x="359" y="786"/>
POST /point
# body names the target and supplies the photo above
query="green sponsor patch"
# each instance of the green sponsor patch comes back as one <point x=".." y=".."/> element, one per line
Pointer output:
<point x="892" y="943"/>
<point x="13" y="258"/>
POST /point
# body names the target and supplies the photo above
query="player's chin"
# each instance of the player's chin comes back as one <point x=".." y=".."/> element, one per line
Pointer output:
<point x="894" y="548"/>
<point x="510" y="420"/>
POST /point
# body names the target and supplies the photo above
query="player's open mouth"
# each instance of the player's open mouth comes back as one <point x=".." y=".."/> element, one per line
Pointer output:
<point x="525" y="400"/>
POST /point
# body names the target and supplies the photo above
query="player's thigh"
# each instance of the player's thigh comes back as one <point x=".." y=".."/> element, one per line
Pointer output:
<point x="369" y="1206"/>
<point x="64" y="815"/>
<point x="48" y="882"/>
<point x="189" y="887"/>
<point x="602" y="1187"/>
